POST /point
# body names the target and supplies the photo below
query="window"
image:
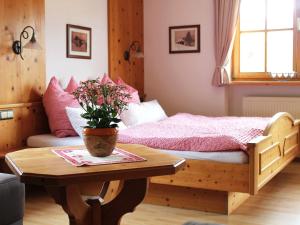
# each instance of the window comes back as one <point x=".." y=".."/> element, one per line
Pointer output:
<point x="265" y="45"/>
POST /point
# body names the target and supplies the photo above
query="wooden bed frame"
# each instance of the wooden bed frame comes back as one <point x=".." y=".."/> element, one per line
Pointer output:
<point x="222" y="187"/>
<point x="202" y="185"/>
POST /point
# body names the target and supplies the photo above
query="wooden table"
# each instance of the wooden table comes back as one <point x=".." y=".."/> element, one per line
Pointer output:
<point x="42" y="167"/>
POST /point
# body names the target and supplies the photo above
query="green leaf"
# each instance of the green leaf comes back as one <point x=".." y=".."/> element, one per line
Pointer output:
<point x="114" y="125"/>
<point x="86" y="116"/>
<point x="89" y="109"/>
<point x="116" y="120"/>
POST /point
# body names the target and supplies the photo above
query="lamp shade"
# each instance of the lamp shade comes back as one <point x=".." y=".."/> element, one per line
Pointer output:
<point x="32" y="44"/>
<point x="138" y="54"/>
<point x="134" y="51"/>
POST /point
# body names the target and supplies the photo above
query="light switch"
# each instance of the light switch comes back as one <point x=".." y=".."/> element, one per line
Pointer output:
<point x="6" y="114"/>
<point x="10" y="114"/>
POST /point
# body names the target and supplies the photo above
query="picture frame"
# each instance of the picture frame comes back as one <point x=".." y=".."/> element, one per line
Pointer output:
<point x="79" y="42"/>
<point x="184" y="39"/>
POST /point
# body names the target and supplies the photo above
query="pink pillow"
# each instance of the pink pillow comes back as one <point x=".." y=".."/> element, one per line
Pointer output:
<point x="105" y="79"/>
<point x="72" y="86"/>
<point x="132" y="91"/>
<point x="55" y="101"/>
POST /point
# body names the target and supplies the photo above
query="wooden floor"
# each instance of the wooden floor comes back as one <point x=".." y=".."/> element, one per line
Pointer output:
<point x="276" y="204"/>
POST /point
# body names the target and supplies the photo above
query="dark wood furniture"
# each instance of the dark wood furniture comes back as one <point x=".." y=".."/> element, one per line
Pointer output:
<point x="62" y="180"/>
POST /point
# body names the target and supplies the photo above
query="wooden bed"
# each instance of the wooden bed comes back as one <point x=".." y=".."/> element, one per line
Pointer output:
<point x="202" y="185"/>
<point x="222" y="187"/>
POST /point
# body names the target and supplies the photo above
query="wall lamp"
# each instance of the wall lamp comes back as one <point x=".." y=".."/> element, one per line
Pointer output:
<point x="134" y="50"/>
<point x="17" y="46"/>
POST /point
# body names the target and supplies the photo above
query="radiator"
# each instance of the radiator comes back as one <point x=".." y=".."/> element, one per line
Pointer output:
<point x="268" y="106"/>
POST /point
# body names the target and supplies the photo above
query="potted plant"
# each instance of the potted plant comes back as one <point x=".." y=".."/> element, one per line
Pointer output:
<point x="102" y="103"/>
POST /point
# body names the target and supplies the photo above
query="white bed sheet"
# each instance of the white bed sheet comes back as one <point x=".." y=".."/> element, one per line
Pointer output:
<point x="226" y="157"/>
<point x="49" y="140"/>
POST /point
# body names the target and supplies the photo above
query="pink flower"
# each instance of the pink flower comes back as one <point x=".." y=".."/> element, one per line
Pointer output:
<point x="100" y="100"/>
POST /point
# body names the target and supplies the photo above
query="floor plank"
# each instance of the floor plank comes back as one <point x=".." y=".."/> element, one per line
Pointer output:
<point x="277" y="203"/>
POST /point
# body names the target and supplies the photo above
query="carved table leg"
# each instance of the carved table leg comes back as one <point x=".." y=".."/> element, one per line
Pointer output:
<point x="69" y="198"/>
<point x="132" y="194"/>
<point x="104" y="189"/>
<point x="91" y="212"/>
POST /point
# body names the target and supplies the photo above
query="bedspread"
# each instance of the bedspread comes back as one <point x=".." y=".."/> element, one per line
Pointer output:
<point x="196" y="133"/>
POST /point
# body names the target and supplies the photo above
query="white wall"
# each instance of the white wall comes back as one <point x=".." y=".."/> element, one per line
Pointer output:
<point x="181" y="82"/>
<point x="89" y="13"/>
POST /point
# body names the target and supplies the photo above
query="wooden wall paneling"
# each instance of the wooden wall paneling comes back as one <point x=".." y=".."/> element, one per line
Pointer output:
<point x="9" y="85"/>
<point x="34" y="121"/>
<point x="22" y="81"/>
<point x="29" y="119"/>
<point x="11" y="135"/>
<point x="125" y="26"/>
<point x="33" y="67"/>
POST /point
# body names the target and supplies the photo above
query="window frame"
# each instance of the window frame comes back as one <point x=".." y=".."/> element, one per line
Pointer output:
<point x="264" y="76"/>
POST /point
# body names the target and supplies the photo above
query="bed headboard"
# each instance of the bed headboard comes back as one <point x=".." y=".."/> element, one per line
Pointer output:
<point x="28" y="119"/>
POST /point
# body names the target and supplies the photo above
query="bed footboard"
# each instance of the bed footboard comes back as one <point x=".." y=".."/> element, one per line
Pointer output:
<point x="270" y="153"/>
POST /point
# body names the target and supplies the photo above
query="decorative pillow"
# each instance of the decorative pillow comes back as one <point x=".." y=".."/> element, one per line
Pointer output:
<point x="72" y="86"/>
<point x="121" y="126"/>
<point x="132" y="91"/>
<point x="105" y="79"/>
<point x="78" y="122"/>
<point x="75" y="119"/>
<point x="144" y="112"/>
<point x="55" y="101"/>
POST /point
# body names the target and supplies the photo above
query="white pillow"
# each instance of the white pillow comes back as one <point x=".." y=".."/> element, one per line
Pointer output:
<point x="145" y="112"/>
<point x="78" y="122"/>
<point x="121" y="126"/>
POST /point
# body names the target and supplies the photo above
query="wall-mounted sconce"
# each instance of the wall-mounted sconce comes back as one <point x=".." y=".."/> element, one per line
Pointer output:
<point x="134" y="50"/>
<point x="32" y="44"/>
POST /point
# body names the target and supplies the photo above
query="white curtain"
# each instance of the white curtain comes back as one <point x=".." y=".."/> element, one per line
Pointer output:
<point x="226" y="18"/>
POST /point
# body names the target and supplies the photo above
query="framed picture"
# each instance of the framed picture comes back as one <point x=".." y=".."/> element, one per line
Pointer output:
<point x="79" y="42"/>
<point x="184" y="39"/>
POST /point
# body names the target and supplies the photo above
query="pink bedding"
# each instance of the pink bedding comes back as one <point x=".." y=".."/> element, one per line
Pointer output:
<point x="196" y="133"/>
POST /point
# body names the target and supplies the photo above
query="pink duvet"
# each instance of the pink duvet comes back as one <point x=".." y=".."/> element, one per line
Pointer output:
<point x="188" y="132"/>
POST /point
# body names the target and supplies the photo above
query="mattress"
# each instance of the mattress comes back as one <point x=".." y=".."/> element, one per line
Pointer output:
<point x="49" y="140"/>
<point x="226" y="157"/>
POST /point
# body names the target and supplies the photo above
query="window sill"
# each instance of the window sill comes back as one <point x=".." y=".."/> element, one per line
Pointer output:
<point x="267" y="82"/>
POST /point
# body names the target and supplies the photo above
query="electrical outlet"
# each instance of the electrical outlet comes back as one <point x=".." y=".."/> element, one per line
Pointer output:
<point x="6" y="114"/>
